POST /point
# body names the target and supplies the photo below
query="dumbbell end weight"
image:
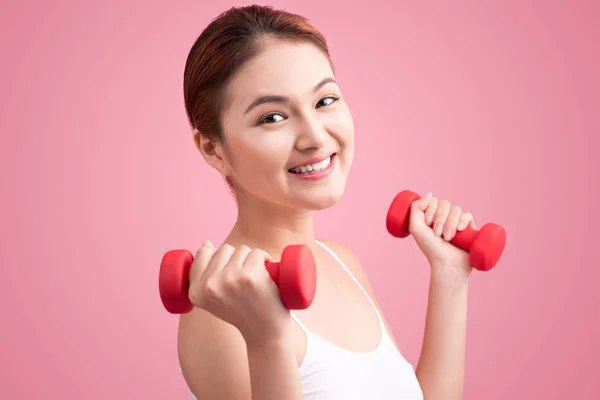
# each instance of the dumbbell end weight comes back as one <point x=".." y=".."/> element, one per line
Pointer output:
<point x="486" y="248"/>
<point x="399" y="213"/>
<point x="296" y="276"/>
<point x="173" y="281"/>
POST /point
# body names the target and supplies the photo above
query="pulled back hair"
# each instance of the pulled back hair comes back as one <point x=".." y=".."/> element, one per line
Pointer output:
<point x="226" y="44"/>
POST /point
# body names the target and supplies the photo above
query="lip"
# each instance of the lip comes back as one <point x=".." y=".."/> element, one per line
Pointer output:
<point x="313" y="160"/>
<point x="314" y="176"/>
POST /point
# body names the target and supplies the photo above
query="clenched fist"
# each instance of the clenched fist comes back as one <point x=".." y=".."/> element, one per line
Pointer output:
<point x="234" y="285"/>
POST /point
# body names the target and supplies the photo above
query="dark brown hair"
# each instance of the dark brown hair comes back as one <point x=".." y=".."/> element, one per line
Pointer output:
<point x="229" y="41"/>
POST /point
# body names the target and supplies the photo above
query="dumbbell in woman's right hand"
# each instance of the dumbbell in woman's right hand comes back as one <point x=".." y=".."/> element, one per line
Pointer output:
<point x="240" y="286"/>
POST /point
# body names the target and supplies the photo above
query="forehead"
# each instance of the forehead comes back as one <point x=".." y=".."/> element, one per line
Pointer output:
<point x="281" y="68"/>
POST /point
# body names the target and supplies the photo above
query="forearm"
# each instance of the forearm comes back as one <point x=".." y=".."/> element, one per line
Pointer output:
<point x="274" y="372"/>
<point x="440" y="370"/>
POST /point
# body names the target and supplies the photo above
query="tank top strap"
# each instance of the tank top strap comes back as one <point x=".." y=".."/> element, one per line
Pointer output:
<point x="300" y="324"/>
<point x="345" y="267"/>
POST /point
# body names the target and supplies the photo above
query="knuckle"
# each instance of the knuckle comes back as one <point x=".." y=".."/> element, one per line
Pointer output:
<point x="248" y="279"/>
<point x="242" y="252"/>
<point x="257" y="253"/>
<point x="230" y="282"/>
<point x="211" y="289"/>
<point x="227" y="248"/>
<point x="244" y="248"/>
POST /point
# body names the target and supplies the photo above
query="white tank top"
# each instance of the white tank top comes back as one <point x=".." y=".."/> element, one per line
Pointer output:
<point x="330" y="372"/>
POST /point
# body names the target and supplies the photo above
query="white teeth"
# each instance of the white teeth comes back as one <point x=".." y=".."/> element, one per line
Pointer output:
<point x="312" y="167"/>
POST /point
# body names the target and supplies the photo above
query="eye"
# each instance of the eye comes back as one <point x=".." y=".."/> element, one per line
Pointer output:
<point x="325" y="101"/>
<point x="270" y="118"/>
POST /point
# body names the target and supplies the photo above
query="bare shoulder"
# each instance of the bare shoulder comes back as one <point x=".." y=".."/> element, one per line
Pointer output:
<point x="350" y="259"/>
<point x="212" y="356"/>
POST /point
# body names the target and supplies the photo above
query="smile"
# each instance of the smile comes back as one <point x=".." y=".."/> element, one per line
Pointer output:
<point x="315" y="170"/>
<point x="315" y="167"/>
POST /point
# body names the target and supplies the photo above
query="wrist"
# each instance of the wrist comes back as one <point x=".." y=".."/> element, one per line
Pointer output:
<point x="274" y="356"/>
<point x="450" y="276"/>
<point x="269" y="341"/>
<point x="270" y="349"/>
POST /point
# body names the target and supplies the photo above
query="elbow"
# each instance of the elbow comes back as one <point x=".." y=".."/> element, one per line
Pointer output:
<point x="435" y="389"/>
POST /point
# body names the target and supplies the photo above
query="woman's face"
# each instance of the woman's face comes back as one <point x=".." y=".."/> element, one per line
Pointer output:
<point x="288" y="133"/>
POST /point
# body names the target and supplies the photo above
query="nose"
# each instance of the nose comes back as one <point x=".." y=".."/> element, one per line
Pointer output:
<point x="312" y="134"/>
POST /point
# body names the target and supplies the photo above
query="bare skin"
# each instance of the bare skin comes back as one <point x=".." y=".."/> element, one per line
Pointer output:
<point x="239" y="332"/>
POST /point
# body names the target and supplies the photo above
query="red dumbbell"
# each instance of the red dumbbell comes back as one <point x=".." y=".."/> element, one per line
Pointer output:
<point x="295" y="275"/>
<point x="485" y="246"/>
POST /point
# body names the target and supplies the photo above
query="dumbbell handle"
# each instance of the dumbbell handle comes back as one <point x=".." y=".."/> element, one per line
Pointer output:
<point x="273" y="268"/>
<point x="464" y="239"/>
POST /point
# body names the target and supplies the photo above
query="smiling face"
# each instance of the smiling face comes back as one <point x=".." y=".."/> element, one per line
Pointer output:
<point x="288" y="133"/>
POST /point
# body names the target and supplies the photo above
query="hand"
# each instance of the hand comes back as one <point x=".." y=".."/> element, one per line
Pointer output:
<point x="234" y="285"/>
<point x="433" y="223"/>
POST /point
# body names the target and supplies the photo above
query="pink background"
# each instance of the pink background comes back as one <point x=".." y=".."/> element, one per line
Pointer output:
<point x="495" y="107"/>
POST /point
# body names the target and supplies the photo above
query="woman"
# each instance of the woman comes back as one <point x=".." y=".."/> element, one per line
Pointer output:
<point x="267" y="114"/>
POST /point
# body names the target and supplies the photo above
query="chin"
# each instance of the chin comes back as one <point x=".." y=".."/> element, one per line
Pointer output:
<point x="322" y="204"/>
<point x="320" y="201"/>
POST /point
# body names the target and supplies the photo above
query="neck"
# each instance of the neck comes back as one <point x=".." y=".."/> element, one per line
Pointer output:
<point x="270" y="227"/>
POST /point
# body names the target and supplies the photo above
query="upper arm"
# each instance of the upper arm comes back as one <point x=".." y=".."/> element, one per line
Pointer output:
<point x="213" y="359"/>
<point x="354" y="265"/>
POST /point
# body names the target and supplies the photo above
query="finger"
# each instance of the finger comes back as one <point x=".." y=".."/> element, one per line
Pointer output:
<point x="220" y="258"/>
<point x="230" y="273"/>
<point x="465" y="220"/>
<point x="431" y="210"/>
<point x="424" y="202"/>
<point x="452" y="222"/>
<point x="256" y="260"/>
<point x="254" y="269"/>
<point x="201" y="261"/>
<point x="421" y="204"/>
<point x="206" y="245"/>
<point x="239" y="257"/>
<point x="441" y="215"/>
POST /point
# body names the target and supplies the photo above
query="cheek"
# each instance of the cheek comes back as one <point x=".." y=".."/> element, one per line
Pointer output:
<point x="341" y="126"/>
<point x="261" y="156"/>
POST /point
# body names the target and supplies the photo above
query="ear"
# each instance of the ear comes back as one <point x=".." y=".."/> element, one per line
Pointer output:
<point x="212" y="151"/>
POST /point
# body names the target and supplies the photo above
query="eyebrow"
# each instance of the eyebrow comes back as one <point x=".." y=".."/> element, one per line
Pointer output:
<point x="281" y="99"/>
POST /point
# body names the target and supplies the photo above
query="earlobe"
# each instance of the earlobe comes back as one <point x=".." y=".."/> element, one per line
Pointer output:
<point x="211" y="150"/>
